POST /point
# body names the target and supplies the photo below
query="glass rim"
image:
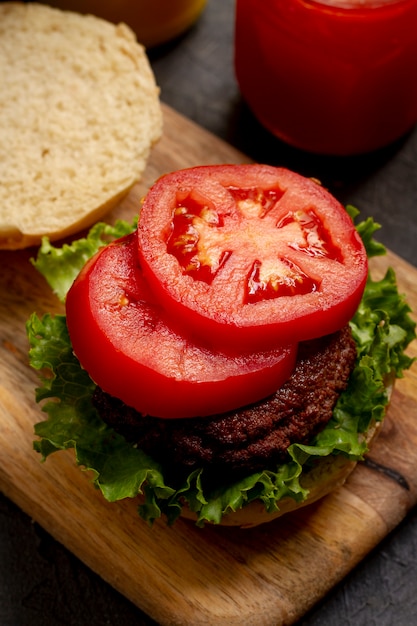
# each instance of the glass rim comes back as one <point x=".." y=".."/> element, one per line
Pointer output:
<point x="356" y="4"/>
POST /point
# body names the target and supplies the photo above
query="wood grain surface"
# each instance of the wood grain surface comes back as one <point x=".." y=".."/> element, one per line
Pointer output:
<point x="270" y="575"/>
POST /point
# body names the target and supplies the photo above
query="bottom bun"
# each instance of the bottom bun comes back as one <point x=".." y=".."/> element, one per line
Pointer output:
<point x="327" y="474"/>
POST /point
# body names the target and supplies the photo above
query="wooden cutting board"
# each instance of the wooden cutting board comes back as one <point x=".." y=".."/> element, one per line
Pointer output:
<point x="184" y="575"/>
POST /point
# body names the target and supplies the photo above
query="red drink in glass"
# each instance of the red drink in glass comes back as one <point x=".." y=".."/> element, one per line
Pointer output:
<point x="331" y="77"/>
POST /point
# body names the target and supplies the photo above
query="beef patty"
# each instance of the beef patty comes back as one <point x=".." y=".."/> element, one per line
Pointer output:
<point x="252" y="438"/>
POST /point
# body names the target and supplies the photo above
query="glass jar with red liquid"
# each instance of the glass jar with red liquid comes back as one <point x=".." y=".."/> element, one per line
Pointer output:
<point x="334" y="77"/>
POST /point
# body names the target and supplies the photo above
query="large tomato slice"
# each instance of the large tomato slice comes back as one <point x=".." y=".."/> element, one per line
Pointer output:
<point x="130" y="348"/>
<point x="251" y="255"/>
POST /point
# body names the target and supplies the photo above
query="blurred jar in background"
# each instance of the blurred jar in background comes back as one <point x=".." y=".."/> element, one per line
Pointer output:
<point x="154" y="21"/>
<point x="329" y="76"/>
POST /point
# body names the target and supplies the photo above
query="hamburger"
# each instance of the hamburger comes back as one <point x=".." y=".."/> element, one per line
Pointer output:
<point x="227" y="357"/>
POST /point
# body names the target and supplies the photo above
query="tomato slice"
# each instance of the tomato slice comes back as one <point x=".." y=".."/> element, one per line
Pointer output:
<point x="130" y="348"/>
<point x="251" y="256"/>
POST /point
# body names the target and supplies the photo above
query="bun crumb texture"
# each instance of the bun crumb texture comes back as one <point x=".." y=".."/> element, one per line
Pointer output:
<point x="80" y="112"/>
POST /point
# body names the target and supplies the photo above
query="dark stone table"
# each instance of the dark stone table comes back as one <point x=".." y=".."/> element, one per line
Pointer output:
<point x="41" y="583"/>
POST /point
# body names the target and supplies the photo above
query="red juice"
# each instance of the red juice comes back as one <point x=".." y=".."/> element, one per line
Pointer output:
<point x="332" y="77"/>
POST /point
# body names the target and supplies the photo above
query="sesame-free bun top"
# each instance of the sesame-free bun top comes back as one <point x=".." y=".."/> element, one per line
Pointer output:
<point x="80" y="112"/>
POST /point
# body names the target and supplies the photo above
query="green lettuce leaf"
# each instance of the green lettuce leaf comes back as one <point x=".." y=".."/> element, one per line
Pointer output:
<point x="60" y="266"/>
<point x="366" y="230"/>
<point x="382" y="328"/>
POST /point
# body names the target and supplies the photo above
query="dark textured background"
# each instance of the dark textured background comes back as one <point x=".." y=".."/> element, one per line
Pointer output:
<point x="41" y="583"/>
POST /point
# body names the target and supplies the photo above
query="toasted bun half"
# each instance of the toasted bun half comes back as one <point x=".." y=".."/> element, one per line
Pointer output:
<point x="328" y="474"/>
<point x="80" y="111"/>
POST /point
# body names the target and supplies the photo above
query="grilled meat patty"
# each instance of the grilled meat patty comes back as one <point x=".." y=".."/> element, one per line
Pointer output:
<point x="254" y="437"/>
